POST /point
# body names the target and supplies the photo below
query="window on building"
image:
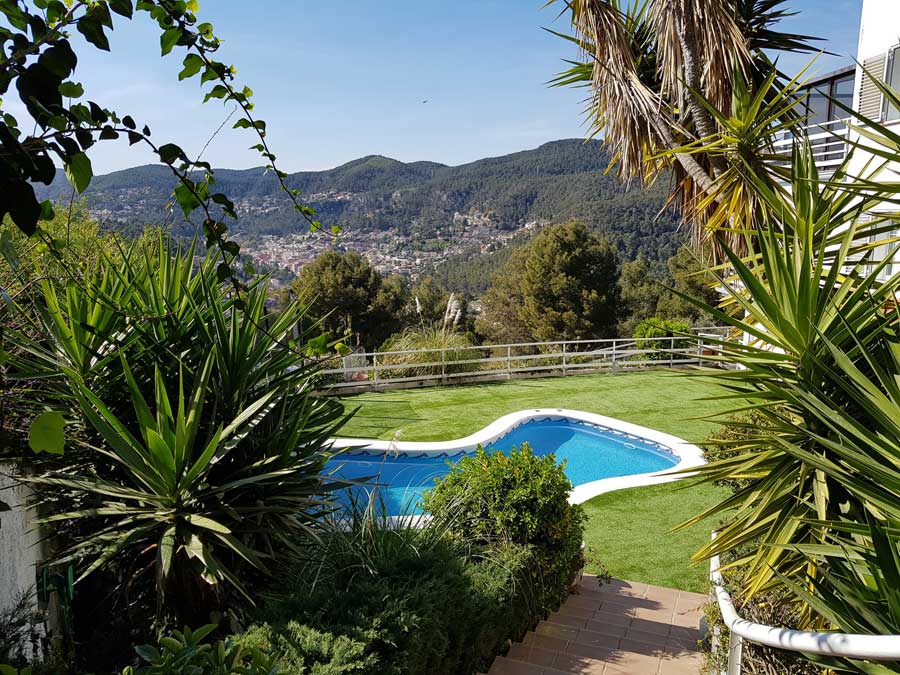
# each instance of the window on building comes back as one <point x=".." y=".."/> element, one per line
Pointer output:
<point x="842" y="91"/>
<point x="820" y="101"/>
<point x="893" y="81"/>
<point x="817" y="107"/>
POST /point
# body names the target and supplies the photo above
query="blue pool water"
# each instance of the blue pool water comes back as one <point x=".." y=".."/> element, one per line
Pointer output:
<point x="590" y="452"/>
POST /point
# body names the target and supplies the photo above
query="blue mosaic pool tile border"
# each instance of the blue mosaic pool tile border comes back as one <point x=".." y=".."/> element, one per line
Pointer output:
<point x="546" y="418"/>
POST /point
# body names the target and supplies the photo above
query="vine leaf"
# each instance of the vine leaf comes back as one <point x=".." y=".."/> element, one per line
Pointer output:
<point x="192" y="65"/>
<point x="169" y="39"/>
<point x="47" y="433"/>
<point x="170" y="153"/>
<point x="18" y="200"/>
<point x="91" y="27"/>
<point x="186" y="199"/>
<point x="122" y="7"/>
<point x="79" y="171"/>
<point x="71" y="89"/>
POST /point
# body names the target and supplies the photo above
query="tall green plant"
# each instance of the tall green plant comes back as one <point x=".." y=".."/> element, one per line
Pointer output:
<point x="195" y="447"/>
<point x="811" y="293"/>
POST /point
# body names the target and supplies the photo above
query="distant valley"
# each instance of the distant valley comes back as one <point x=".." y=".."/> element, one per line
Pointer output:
<point x="407" y="217"/>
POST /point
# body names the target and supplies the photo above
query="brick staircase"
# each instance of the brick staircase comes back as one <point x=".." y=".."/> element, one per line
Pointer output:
<point x="622" y="628"/>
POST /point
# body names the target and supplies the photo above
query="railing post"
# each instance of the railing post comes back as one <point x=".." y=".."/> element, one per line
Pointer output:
<point x="564" y="357"/>
<point x="443" y="365"/>
<point x="508" y="364"/>
<point x="375" y="369"/>
<point x="699" y="352"/>
<point x="671" y="351"/>
<point x="615" y="344"/>
<point x="735" y="653"/>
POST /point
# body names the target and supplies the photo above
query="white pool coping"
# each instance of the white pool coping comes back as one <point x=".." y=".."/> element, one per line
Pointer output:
<point x="689" y="455"/>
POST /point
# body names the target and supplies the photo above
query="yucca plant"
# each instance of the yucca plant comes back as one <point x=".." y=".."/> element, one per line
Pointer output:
<point x="858" y="404"/>
<point x="170" y="505"/>
<point x="813" y="291"/>
<point x="195" y="448"/>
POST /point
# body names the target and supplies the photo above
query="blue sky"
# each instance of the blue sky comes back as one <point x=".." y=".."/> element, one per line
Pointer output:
<point x="340" y="79"/>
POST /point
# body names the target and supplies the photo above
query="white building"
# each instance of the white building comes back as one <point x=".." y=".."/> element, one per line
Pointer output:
<point x="828" y="130"/>
<point x="878" y="55"/>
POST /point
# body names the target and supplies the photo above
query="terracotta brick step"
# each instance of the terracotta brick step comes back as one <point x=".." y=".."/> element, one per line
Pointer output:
<point x="529" y="658"/>
<point x="623" y="628"/>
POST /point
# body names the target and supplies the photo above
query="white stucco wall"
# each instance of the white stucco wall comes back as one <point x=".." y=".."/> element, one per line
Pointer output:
<point x="879" y="31"/>
<point x="19" y="547"/>
<point x="879" y="28"/>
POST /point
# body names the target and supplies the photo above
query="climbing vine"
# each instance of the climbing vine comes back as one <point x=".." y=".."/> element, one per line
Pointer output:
<point x="38" y="64"/>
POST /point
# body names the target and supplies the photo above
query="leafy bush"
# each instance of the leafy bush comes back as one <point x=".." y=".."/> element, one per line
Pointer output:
<point x="185" y="653"/>
<point x="648" y="335"/>
<point x="387" y="598"/>
<point x="446" y="353"/>
<point x="518" y="498"/>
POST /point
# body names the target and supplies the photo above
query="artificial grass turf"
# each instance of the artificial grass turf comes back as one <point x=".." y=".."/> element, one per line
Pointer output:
<point x="628" y="530"/>
<point x="664" y="400"/>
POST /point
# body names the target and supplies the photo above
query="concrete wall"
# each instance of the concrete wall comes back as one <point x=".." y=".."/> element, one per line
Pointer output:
<point x="19" y="546"/>
<point x="879" y="32"/>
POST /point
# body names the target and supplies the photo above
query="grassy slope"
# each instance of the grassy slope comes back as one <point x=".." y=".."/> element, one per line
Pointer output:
<point x="628" y="530"/>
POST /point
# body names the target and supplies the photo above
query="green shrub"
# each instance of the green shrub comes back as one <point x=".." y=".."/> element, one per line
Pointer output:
<point x="185" y="653"/>
<point x="302" y="649"/>
<point x="444" y="613"/>
<point x="518" y="498"/>
<point x="648" y="334"/>
<point x="378" y="598"/>
<point x="443" y="346"/>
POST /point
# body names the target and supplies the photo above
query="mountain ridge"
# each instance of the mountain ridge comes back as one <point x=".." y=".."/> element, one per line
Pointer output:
<point x="557" y="181"/>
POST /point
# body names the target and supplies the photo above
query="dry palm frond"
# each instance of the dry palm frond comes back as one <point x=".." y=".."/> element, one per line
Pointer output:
<point x="629" y="112"/>
<point x="667" y="77"/>
<point x="700" y="48"/>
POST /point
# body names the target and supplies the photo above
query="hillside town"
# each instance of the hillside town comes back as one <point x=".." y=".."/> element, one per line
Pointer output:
<point x="389" y="251"/>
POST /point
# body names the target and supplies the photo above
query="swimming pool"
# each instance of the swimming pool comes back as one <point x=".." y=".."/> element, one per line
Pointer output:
<point x="601" y="453"/>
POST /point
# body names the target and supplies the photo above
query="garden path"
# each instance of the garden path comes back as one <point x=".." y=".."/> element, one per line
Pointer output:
<point x="620" y="628"/>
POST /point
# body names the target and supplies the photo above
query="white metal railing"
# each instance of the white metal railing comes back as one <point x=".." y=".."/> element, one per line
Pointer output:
<point x="827" y="139"/>
<point x="372" y="370"/>
<point x="849" y="645"/>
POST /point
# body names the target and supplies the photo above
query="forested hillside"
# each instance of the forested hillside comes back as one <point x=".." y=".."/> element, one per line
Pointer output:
<point x="558" y="181"/>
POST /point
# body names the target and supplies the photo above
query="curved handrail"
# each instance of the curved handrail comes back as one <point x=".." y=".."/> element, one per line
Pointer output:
<point x="851" y="645"/>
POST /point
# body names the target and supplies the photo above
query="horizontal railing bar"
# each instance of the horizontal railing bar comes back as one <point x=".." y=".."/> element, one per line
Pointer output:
<point x="849" y="645"/>
<point x="373" y="370"/>
<point x="604" y="341"/>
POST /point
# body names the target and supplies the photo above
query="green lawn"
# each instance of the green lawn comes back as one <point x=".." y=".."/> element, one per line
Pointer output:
<point x="663" y="400"/>
<point x="629" y="530"/>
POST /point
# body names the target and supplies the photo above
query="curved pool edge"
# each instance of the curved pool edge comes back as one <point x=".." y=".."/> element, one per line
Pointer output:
<point x="689" y="455"/>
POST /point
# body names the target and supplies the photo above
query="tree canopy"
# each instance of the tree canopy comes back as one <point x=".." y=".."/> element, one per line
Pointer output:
<point x="352" y="298"/>
<point x="647" y="292"/>
<point x="562" y="285"/>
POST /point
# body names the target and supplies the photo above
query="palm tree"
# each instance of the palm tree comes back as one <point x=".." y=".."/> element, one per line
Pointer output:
<point x="665" y="76"/>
